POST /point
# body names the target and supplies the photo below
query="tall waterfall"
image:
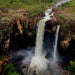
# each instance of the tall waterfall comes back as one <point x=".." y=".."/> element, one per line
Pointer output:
<point x="39" y="60"/>
<point x="55" y="43"/>
<point x="39" y="39"/>
<point x="40" y="64"/>
<point x="40" y="32"/>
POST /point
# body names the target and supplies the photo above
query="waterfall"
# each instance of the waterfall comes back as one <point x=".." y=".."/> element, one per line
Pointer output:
<point x="55" y="43"/>
<point x="61" y="2"/>
<point x="39" y="42"/>
<point x="39" y="39"/>
<point x="40" y="64"/>
<point x="40" y="32"/>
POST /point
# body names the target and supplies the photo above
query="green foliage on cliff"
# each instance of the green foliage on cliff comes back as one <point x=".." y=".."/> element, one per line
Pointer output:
<point x="0" y="12"/>
<point x="36" y="12"/>
<point x="61" y="16"/>
<point x="72" y="67"/>
<point x="10" y="70"/>
<point x="17" y="4"/>
<point x="69" y="4"/>
<point x="10" y="29"/>
<point x="9" y="67"/>
<point x="13" y="73"/>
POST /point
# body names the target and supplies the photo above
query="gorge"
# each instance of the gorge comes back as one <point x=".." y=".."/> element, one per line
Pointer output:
<point x="38" y="44"/>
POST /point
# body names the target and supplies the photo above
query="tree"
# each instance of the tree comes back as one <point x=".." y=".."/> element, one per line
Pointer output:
<point x="72" y="67"/>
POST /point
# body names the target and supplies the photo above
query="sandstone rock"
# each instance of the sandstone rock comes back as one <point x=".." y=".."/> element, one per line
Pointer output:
<point x="67" y="39"/>
<point x="54" y="28"/>
<point x="19" y="26"/>
<point x="20" y="10"/>
<point x="64" y="44"/>
<point x="3" y="63"/>
<point x="73" y="36"/>
<point x="30" y="34"/>
<point x="6" y="45"/>
<point x="48" y="30"/>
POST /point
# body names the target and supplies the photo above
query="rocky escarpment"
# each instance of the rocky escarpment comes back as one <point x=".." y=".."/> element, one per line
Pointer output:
<point x="67" y="39"/>
<point x="18" y="32"/>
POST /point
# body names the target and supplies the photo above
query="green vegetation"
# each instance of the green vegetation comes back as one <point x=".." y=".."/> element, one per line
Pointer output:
<point x="29" y="30"/>
<point x="0" y="16"/>
<point x="13" y="73"/>
<point x="61" y="16"/>
<point x="33" y="8"/>
<point x="17" y="4"/>
<point x="9" y="67"/>
<point x="69" y="4"/>
<point x="68" y="10"/>
<point x="71" y="68"/>
<point x="36" y="12"/>
<point x="64" y="4"/>
<point x="0" y="12"/>
<point x="2" y="57"/>
<point x="10" y="29"/>
<point x="10" y="70"/>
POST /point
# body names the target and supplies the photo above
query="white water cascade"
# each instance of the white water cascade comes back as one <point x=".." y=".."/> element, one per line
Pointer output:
<point x="39" y="63"/>
<point x="55" y="43"/>
<point x="39" y="60"/>
<point x="39" y="39"/>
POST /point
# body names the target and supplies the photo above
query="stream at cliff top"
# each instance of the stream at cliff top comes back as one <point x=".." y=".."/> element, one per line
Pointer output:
<point x="35" y="59"/>
<point x="60" y="2"/>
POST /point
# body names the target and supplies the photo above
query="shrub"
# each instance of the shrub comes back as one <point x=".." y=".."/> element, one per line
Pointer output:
<point x="65" y="4"/>
<point x="61" y="16"/>
<point x="72" y="67"/>
<point x="9" y="67"/>
<point x="14" y="73"/>
<point x="10" y="29"/>
<point x="0" y="12"/>
<point x="10" y="70"/>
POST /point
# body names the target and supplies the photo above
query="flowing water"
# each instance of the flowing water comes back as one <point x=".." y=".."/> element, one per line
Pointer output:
<point x="60" y="2"/>
<point x="55" y="44"/>
<point x="39" y="64"/>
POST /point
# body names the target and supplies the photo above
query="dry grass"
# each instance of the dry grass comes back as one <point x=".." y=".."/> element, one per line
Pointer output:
<point x="68" y="10"/>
